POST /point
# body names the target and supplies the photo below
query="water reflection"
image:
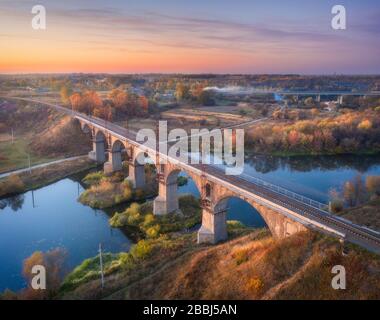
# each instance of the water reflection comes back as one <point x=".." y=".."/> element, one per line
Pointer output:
<point x="15" y="203"/>
<point x="54" y="218"/>
<point x="266" y="164"/>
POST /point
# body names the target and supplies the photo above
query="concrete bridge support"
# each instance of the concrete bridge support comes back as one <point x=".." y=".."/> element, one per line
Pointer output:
<point x="214" y="226"/>
<point x="115" y="160"/>
<point x="167" y="199"/>
<point x="98" y="151"/>
<point x="98" y="147"/>
<point x="137" y="175"/>
<point x="114" y="163"/>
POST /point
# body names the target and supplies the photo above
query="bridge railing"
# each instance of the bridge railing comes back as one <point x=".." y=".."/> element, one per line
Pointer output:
<point x="257" y="181"/>
<point x="291" y="194"/>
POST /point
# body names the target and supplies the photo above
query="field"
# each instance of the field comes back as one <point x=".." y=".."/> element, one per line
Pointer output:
<point x="15" y="155"/>
<point x="44" y="135"/>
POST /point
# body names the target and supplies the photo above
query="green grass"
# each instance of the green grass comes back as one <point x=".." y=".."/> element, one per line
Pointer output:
<point x="89" y="269"/>
<point x="142" y="217"/>
<point x="14" y="156"/>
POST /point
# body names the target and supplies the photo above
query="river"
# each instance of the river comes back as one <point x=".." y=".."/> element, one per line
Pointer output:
<point x="52" y="217"/>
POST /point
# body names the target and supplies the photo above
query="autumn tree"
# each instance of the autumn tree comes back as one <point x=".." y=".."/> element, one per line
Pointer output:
<point x="66" y="92"/>
<point x="349" y="193"/>
<point x="86" y="102"/>
<point x="205" y="98"/>
<point x="54" y="263"/>
<point x="373" y="184"/>
<point x="182" y="91"/>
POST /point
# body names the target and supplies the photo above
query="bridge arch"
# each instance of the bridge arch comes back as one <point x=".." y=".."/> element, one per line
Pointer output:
<point x="99" y="145"/>
<point x="222" y="206"/>
<point x="116" y="155"/>
<point x="85" y="127"/>
<point x="214" y="217"/>
<point x="168" y="189"/>
<point x="142" y="169"/>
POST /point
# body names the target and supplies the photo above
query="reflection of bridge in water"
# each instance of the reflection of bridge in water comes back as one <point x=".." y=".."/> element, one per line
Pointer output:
<point x="284" y="212"/>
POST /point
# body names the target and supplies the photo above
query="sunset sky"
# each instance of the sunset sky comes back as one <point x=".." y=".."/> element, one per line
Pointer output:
<point x="198" y="36"/>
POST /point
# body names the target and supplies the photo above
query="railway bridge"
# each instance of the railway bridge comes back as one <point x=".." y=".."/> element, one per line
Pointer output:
<point x="284" y="212"/>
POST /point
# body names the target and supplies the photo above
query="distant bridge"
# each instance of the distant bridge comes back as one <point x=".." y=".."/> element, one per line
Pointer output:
<point x="284" y="212"/>
<point x="319" y="94"/>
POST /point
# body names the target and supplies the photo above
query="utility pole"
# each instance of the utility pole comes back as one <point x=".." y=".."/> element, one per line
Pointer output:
<point x="12" y="135"/>
<point x="33" y="199"/>
<point x="101" y="265"/>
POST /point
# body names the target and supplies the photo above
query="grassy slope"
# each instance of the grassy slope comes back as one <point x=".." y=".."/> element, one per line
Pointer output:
<point x="296" y="268"/>
<point x="254" y="266"/>
<point x="15" y="155"/>
<point x="43" y="133"/>
<point x="18" y="183"/>
<point x="367" y="214"/>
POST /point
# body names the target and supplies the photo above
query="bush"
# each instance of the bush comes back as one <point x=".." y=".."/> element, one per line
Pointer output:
<point x="11" y="184"/>
<point x="141" y="250"/>
<point x="148" y="220"/>
<point x="93" y="178"/>
<point x="241" y="256"/>
<point x="181" y="181"/>
<point x="255" y="285"/>
<point x="106" y="192"/>
<point x="234" y="224"/>
<point x="336" y="206"/>
<point x="153" y="232"/>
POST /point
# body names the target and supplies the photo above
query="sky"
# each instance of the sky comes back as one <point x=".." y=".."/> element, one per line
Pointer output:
<point x="197" y="36"/>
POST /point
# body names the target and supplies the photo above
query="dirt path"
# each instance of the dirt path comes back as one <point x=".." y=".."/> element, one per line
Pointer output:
<point x="6" y="174"/>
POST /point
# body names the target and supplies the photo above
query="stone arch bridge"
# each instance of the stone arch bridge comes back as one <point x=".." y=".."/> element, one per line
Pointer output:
<point x="284" y="212"/>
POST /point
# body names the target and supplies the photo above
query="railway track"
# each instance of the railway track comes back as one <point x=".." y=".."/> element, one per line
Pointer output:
<point x="351" y="232"/>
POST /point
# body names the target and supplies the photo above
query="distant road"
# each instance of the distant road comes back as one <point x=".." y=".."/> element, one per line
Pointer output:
<point x="41" y="165"/>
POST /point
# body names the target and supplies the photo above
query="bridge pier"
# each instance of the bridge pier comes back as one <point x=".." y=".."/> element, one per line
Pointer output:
<point x="115" y="158"/>
<point x="114" y="162"/>
<point x="167" y="199"/>
<point x="214" y="226"/>
<point x="98" y="151"/>
<point x="137" y="175"/>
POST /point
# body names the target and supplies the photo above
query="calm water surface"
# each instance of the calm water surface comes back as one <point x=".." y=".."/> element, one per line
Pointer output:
<point x="56" y="219"/>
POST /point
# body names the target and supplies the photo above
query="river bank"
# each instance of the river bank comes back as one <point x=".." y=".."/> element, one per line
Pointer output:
<point x="38" y="177"/>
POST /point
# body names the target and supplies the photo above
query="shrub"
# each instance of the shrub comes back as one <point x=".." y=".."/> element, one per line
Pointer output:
<point x="11" y="184"/>
<point x="181" y="181"/>
<point x="141" y="249"/>
<point x="336" y="206"/>
<point x="234" y="224"/>
<point x="255" y="285"/>
<point x="241" y="256"/>
<point x="93" y="178"/>
<point x="117" y="220"/>
<point x="153" y="232"/>
<point x="148" y="220"/>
